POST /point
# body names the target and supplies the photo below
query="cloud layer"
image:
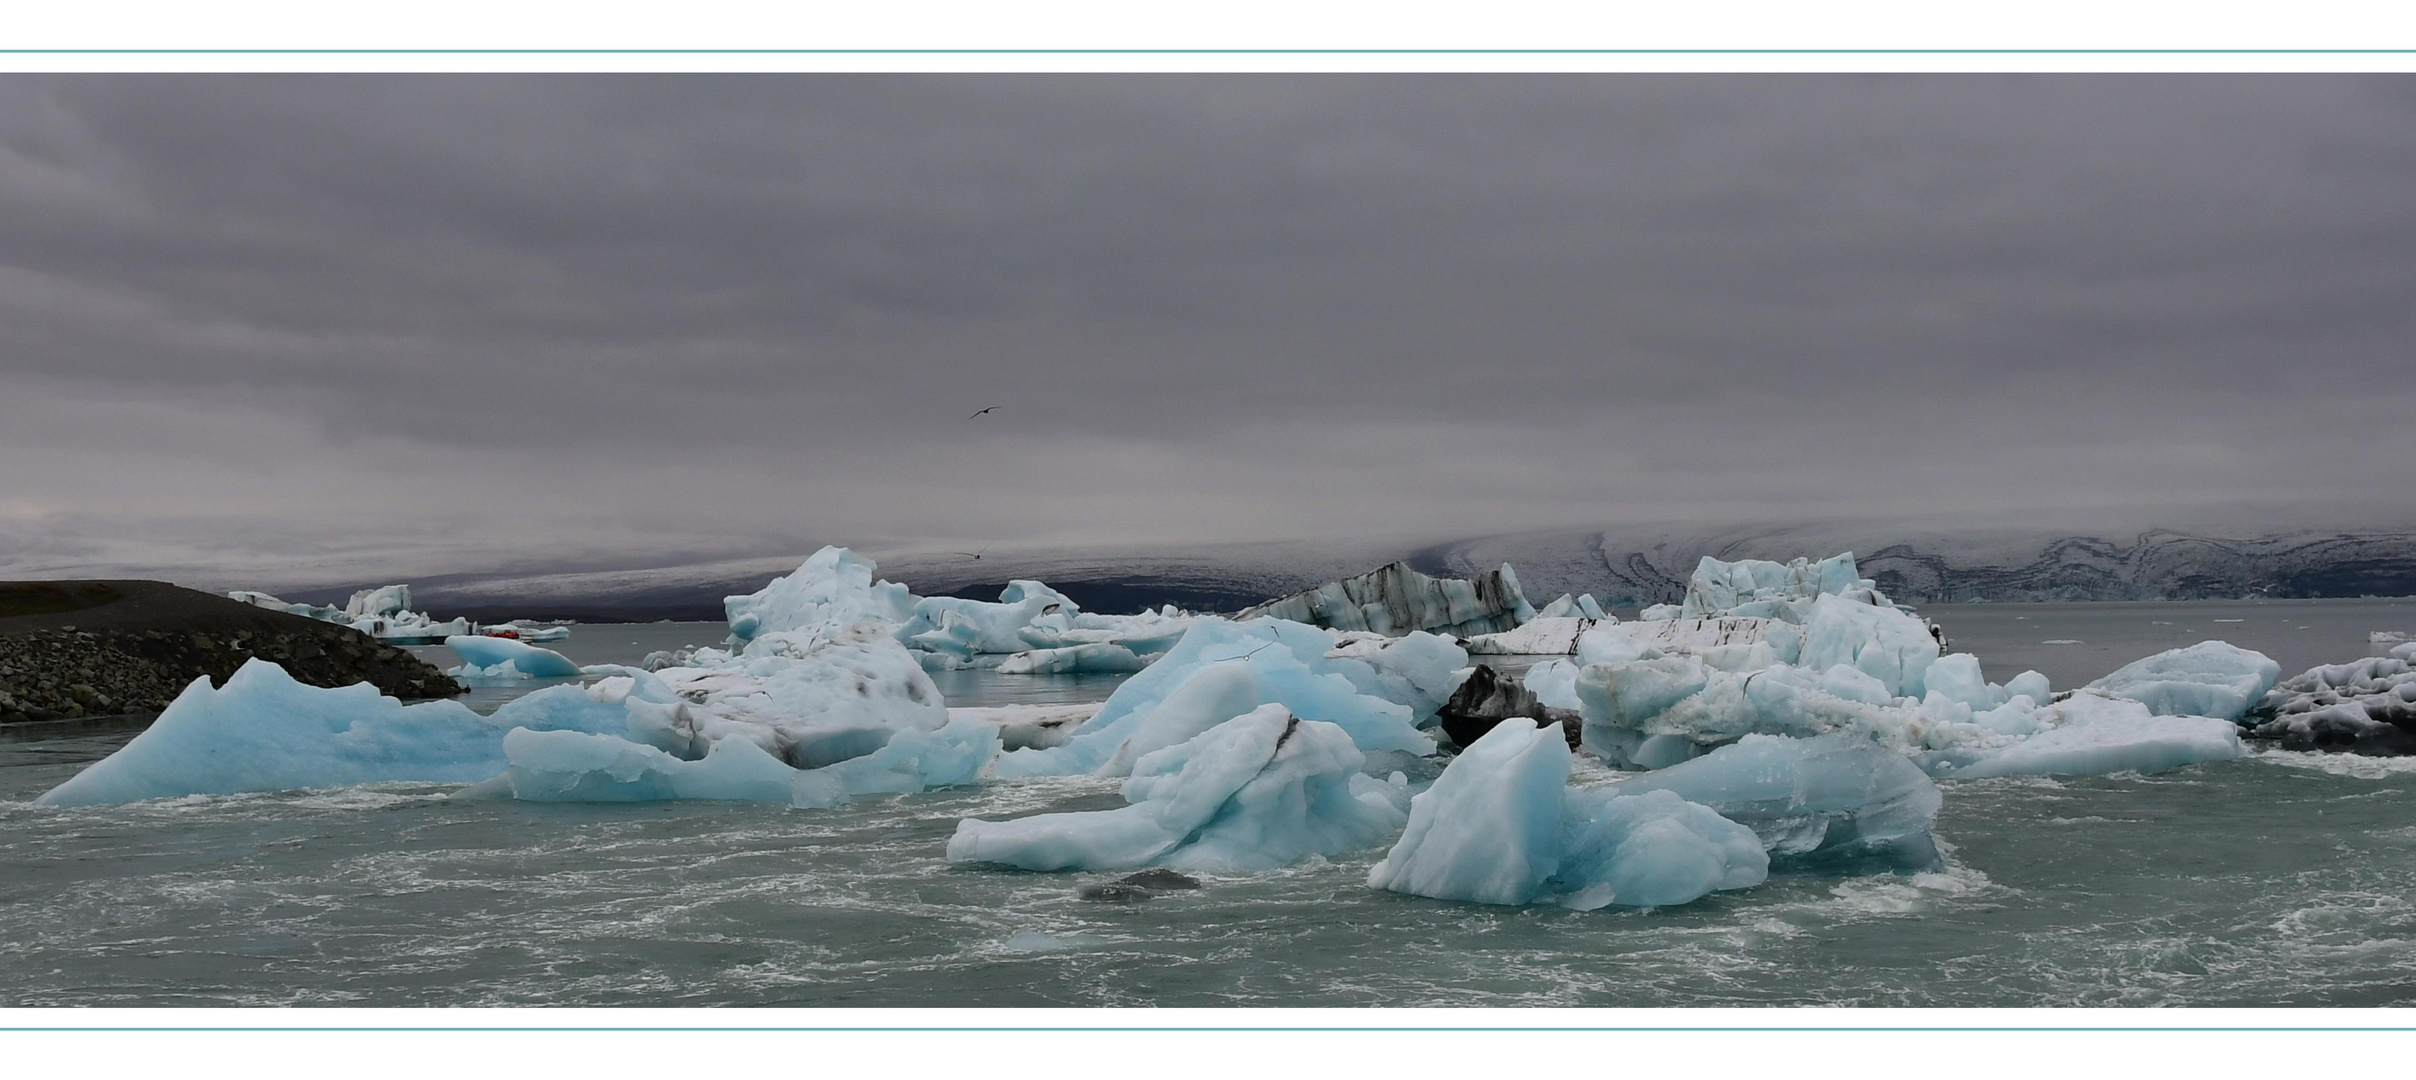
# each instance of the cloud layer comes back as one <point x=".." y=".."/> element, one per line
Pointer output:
<point x="340" y="324"/>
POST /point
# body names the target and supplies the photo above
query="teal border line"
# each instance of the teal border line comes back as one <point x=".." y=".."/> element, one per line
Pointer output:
<point x="1223" y="52"/>
<point x="1217" y="1028"/>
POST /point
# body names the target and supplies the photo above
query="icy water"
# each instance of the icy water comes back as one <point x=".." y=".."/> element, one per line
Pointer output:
<point x="2284" y="879"/>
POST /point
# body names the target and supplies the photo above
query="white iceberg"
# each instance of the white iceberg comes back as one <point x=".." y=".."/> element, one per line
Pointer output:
<point x="383" y="613"/>
<point x="1246" y="665"/>
<point x="1582" y="606"/>
<point x="835" y="590"/>
<point x="832" y="591"/>
<point x="1501" y="826"/>
<point x="1261" y="790"/>
<point x="1395" y="599"/>
<point x="1729" y="643"/>
<point x="1096" y="657"/>
<point x="2365" y="707"/>
<point x="2210" y="678"/>
<point x="500" y="658"/>
<point x="1826" y="799"/>
<point x="570" y="766"/>
<point x="1764" y="589"/>
<point x="1544" y="635"/>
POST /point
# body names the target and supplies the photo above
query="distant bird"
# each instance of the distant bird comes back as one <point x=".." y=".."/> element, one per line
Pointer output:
<point x="984" y="412"/>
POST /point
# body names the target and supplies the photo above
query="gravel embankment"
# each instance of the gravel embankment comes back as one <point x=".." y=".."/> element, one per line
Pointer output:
<point x="71" y="649"/>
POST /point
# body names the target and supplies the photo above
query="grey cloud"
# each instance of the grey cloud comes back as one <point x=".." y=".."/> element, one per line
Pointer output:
<point x="1250" y="306"/>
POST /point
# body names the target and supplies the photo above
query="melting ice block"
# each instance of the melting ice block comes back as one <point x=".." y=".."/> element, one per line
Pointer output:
<point x="500" y="658"/>
<point x="810" y="700"/>
<point x="1488" y="830"/>
<point x="1887" y="644"/>
<point x="1257" y="791"/>
<point x="1395" y="599"/>
<point x="1758" y="587"/>
<point x="2210" y="678"/>
<point x="569" y="766"/>
<point x="1098" y="656"/>
<point x="1827" y="799"/>
<point x="1266" y="661"/>
<point x="2365" y="707"/>
<point x="2096" y="735"/>
<point x="1501" y="826"/>
<point x="832" y="591"/>
<point x="263" y="731"/>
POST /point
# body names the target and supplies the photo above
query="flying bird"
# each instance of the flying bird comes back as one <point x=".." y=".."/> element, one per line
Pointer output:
<point x="979" y="415"/>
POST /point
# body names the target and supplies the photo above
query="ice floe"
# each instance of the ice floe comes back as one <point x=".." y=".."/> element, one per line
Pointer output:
<point x="1395" y="599"/>
<point x="502" y="658"/>
<point x="1502" y="826"/>
<point x="2365" y="707"/>
<point x="1259" y="790"/>
<point x="2210" y="678"/>
<point x="1239" y="666"/>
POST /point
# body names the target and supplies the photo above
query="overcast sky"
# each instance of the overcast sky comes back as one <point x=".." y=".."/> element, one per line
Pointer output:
<point x="448" y="323"/>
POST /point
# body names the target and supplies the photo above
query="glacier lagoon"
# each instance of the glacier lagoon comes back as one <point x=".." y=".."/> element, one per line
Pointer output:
<point x="2279" y="879"/>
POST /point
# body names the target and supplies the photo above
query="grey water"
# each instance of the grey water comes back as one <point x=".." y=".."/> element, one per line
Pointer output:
<point x="2282" y="879"/>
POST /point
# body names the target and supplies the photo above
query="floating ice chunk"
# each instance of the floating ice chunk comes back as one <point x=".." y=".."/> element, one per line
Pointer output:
<point x="383" y="613"/>
<point x="2210" y="678"/>
<point x="991" y="627"/>
<point x="1887" y="644"/>
<point x="1554" y="683"/>
<point x="1417" y="669"/>
<point x="2366" y="707"/>
<point x="1095" y="657"/>
<point x="1284" y="662"/>
<point x="1545" y="635"/>
<point x="1596" y="646"/>
<point x="1572" y="607"/>
<point x="1650" y="850"/>
<point x="812" y="701"/>
<point x="1500" y="826"/>
<point x="1021" y="726"/>
<point x="2102" y="735"/>
<point x="1258" y="791"/>
<point x="571" y="766"/>
<point x="832" y="591"/>
<point x="1727" y="643"/>
<point x="499" y="658"/>
<point x="263" y="731"/>
<point x="1758" y="587"/>
<point x="2405" y="652"/>
<point x="1826" y="799"/>
<point x="1487" y="698"/>
<point x="954" y="755"/>
<point x="1395" y="599"/>
<point x="1488" y="830"/>
<point x="1662" y="612"/>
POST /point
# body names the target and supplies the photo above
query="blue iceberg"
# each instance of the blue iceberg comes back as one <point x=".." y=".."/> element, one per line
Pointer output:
<point x="1261" y="790"/>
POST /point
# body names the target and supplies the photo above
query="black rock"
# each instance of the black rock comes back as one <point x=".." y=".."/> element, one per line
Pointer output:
<point x="1135" y="888"/>
<point x="1488" y="698"/>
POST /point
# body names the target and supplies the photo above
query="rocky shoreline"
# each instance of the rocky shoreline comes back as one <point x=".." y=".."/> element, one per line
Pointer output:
<point x="84" y="649"/>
